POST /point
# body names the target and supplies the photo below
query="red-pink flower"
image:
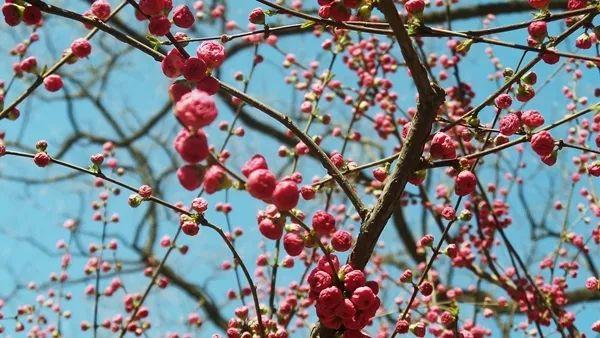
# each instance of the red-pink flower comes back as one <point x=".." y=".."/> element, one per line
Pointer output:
<point x="362" y="297"/>
<point x="194" y="69"/>
<point x="257" y="16"/>
<point x="159" y="25"/>
<point x="12" y="15"/>
<point x="341" y="240"/>
<point x="212" y="53"/>
<point x="576" y="4"/>
<point x="183" y="17"/>
<point x="448" y="213"/>
<point x="145" y="191"/>
<point x="510" y="124"/>
<point x="270" y="229"/>
<point x="101" y="9"/>
<point x="178" y="89"/>
<point x="345" y="309"/>
<point x="426" y="288"/>
<point x="308" y="192"/>
<point x="594" y="169"/>
<point x="354" y="279"/>
<point x="538" y="29"/>
<point x="41" y="159"/>
<point x="415" y="7"/>
<point x="293" y="244"/>
<point x="254" y="163"/>
<point x="583" y="41"/>
<point x="29" y="64"/>
<point x="330" y="297"/>
<point x="286" y="195"/>
<point x="261" y="184"/>
<point x="592" y="284"/>
<point x="152" y="7"/>
<point x="442" y="146"/>
<point x="215" y="179"/>
<point x="190" y="228"/>
<point x="193" y="148"/>
<point x="32" y="15"/>
<point x="532" y="118"/>
<point x="503" y="101"/>
<point x="172" y="64"/>
<point x="190" y="176"/>
<point x="426" y="240"/>
<point x="451" y="250"/>
<point x="542" y="143"/>
<point x="465" y="183"/>
<point x="323" y="223"/>
<point x="539" y="4"/>
<point x="209" y="85"/>
<point x="53" y="83"/>
<point x="196" y="109"/>
<point x="418" y="329"/>
<point x="339" y="12"/>
<point x="81" y="48"/>
<point x="550" y="57"/>
<point x="402" y="326"/>
<point x="319" y="280"/>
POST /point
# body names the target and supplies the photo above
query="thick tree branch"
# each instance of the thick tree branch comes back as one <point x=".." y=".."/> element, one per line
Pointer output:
<point x="430" y="98"/>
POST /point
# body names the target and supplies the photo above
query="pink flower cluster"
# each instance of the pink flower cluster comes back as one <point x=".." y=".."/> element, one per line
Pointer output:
<point x="512" y="122"/>
<point x="542" y="144"/>
<point x="262" y="184"/>
<point x="243" y="325"/>
<point x="271" y="224"/>
<point x="195" y="69"/>
<point x="195" y="109"/>
<point x="538" y="30"/>
<point x="465" y="183"/>
<point x="157" y="12"/>
<point x="344" y="299"/>
<point x="338" y="10"/>
<point x="539" y="4"/>
<point x="442" y="146"/>
<point x="14" y="14"/>
<point x="414" y="7"/>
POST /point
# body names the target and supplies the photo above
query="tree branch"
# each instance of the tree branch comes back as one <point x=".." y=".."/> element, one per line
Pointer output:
<point x="430" y="98"/>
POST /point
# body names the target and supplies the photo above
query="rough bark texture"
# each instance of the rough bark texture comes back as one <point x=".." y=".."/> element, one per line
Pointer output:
<point x="430" y="98"/>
